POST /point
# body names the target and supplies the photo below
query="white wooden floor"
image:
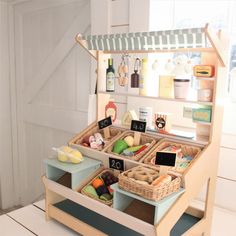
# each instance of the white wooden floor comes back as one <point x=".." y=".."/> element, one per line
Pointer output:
<point x="29" y="221"/>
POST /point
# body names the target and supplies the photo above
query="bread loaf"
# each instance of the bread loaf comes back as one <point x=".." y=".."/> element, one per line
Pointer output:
<point x="163" y="179"/>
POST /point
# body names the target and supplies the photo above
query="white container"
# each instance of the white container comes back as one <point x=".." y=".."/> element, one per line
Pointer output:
<point x="233" y="84"/>
<point x="181" y="88"/>
<point x="204" y="95"/>
<point x="145" y="114"/>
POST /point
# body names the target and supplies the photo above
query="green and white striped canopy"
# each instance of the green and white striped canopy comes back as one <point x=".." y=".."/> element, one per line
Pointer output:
<point x="154" y="40"/>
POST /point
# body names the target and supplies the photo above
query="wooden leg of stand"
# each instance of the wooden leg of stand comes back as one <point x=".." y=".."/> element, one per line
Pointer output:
<point x="209" y="206"/>
<point x="47" y="203"/>
<point x="50" y="199"/>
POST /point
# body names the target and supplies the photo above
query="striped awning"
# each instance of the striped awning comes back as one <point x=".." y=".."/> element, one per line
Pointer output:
<point x="154" y="40"/>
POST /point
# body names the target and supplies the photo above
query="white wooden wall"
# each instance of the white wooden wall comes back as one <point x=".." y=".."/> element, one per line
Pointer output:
<point x="6" y="160"/>
<point x="49" y="83"/>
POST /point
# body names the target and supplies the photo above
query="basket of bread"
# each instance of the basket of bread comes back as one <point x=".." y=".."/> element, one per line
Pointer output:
<point x="144" y="180"/>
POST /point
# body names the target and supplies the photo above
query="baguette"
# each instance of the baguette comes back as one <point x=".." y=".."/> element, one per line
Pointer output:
<point x="163" y="179"/>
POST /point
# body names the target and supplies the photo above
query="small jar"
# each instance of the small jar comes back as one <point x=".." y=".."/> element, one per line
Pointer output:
<point x="181" y="88"/>
<point x="204" y="95"/>
<point x="145" y="114"/>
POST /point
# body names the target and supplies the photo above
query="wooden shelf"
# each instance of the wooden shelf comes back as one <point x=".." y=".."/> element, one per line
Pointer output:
<point x="72" y="212"/>
<point x="202" y="123"/>
<point x="158" y="98"/>
<point x="205" y="78"/>
<point x="95" y="206"/>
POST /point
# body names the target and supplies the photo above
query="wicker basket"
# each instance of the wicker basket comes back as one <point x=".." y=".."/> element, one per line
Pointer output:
<point x="114" y="132"/>
<point x="109" y="202"/>
<point x="186" y="149"/>
<point x="144" y="139"/>
<point x="155" y="193"/>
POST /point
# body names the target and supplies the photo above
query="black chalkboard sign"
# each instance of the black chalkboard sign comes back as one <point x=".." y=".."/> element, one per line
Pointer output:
<point x="105" y="123"/>
<point x="116" y="164"/>
<point x="138" y="126"/>
<point x="165" y="158"/>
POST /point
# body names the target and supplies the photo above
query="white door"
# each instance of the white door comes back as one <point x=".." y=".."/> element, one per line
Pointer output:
<point x="52" y="83"/>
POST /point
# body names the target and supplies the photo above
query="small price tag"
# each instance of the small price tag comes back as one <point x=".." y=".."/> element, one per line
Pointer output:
<point x="165" y="158"/>
<point x="116" y="164"/>
<point x="105" y="123"/>
<point x="138" y="126"/>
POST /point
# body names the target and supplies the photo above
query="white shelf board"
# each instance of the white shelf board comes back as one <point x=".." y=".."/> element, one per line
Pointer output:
<point x="158" y="98"/>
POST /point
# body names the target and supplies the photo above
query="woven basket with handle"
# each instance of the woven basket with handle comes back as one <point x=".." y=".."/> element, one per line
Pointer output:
<point x="148" y="191"/>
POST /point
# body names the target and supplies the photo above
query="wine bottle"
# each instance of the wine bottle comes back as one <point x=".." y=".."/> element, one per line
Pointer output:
<point x="110" y="77"/>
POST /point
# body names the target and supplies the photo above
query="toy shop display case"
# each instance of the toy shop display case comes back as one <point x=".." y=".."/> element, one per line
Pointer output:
<point x="131" y="214"/>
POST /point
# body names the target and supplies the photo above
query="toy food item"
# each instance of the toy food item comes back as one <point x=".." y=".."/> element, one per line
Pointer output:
<point x="99" y="139"/>
<point x="141" y="182"/>
<point x="94" y="141"/>
<point x="97" y="182"/>
<point x="89" y="189"/>
<point x="163" y="179"/>
<point x="106" y="197"/>
<point x="101" y="190"/>
<point x="86" y="140"/>
<point x="204" y="70"/>
<point x="129" y="140"/>
<point x="68" y="154"/>
<point x="110" y="190"/>
<point x="109" y="178"/>
<point x="119" y="146"/>
<point x="142" y="148"/>
<point x="128" y="117"/>
<point x="130" y="151"/>
<point x="142" y="175"/>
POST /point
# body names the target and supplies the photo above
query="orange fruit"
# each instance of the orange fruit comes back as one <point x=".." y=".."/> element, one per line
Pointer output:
<point x="97" y="182"/>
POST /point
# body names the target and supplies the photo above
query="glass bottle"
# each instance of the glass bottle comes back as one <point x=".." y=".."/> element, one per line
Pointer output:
<point x="110" y="76"/>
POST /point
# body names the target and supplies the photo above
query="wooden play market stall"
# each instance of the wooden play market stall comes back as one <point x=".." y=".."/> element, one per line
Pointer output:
<point x="138" y="208"/>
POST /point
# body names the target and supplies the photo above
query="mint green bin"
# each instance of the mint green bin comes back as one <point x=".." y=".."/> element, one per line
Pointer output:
<point x="76" y="172"/>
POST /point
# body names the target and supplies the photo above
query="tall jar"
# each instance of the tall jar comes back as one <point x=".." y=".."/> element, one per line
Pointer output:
<point x="233" y="84"/>
<point x="143" y="78"/>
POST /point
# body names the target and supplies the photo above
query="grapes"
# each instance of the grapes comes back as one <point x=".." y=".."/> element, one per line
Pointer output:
<point x="109" y="178"/>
